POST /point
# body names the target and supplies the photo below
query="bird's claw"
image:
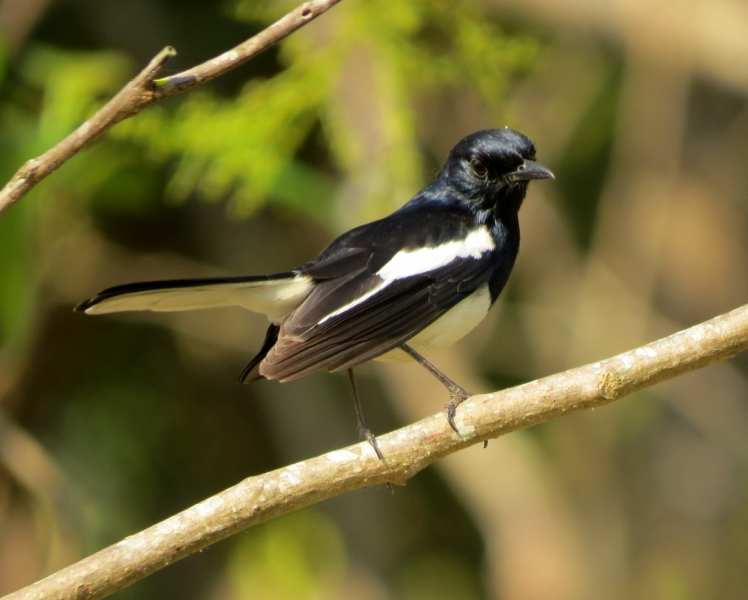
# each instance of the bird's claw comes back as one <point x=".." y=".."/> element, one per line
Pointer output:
<point x="365" y="434"/>
<point x="457" y="397"/>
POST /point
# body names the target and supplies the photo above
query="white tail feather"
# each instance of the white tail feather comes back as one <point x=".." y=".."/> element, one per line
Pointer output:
<point x="274" y="298"/>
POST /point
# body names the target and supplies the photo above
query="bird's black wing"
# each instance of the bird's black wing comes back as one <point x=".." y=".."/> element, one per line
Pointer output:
<point x="354" y="315"/>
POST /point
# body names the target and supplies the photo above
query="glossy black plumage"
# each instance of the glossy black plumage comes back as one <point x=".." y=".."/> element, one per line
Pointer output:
<point x="457" y="203"/>
<point x="409" y="283"/>
<point x="393" y="315"/>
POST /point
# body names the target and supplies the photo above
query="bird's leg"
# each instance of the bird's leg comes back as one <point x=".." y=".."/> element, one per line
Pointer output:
<point x="364" y="433"/>
<point x="456" y="393"/>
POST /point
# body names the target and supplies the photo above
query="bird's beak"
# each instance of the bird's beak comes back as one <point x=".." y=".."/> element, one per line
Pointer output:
<point x="529" y="170"/>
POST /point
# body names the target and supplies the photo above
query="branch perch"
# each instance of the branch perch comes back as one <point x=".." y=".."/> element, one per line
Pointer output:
<point x="143" y="91"/>
<point x="408" y="450"/>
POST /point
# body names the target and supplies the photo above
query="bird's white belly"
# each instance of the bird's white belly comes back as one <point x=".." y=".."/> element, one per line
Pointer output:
<point x="445" y="331"/>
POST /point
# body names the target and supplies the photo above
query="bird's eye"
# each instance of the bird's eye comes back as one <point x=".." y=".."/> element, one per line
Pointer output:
<point x="478" y="168"/>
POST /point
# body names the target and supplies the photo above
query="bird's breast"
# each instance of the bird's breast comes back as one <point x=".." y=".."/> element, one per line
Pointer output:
<point x="449" y="328"/>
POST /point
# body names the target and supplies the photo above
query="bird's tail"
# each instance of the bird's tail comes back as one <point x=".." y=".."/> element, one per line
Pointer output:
<point x="271" y="295"/>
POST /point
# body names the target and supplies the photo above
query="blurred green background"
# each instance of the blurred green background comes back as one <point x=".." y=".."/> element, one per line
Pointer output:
<point x="110" y="424"/>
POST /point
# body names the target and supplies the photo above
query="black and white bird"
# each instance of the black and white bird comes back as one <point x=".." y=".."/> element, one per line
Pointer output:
<point x="404" y="286"/>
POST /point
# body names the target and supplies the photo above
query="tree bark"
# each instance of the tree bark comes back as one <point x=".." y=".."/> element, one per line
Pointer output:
<point x="407" y="451"/>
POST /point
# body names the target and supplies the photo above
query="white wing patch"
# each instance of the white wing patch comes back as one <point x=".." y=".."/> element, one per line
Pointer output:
<point x="408" y="263"/>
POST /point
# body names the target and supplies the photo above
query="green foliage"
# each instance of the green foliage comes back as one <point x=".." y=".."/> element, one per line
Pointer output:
<point x="336" y="133"/>
<point x="240" y="147"/>
<point x="436" y="577"/>
<point x="59" y="90"/>
<point x="340" y="129"/>
<point x="98" y="436"/>
<point x="73" y="85"/>
<point x="16" y="294"/>
<point x="3" y="57"/>
<point x="246" y="148"/>
<point x="296" y="557"/>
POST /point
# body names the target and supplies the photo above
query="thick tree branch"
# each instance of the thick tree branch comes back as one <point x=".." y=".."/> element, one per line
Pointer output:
<point x="143" y="90"/>
<point x="408" y="450"/>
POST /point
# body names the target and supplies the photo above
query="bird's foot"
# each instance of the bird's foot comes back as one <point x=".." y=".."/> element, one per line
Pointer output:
<point x="365" y="434"/>
<point x="457" y="396"/>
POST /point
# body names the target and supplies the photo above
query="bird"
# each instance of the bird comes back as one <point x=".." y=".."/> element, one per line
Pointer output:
<point x="396" y="289"/>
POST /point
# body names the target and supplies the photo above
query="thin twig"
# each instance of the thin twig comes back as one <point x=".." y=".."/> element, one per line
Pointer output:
<point x="408" y="451"/>
<point x="143" y="91"/>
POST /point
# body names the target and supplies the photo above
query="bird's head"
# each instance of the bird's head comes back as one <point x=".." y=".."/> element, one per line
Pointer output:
<point x="491" y="169"/>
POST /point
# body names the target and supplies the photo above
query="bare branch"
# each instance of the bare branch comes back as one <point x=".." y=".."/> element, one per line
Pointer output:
<point x="143" y="90"/>
<point x="130" y="100"/>
<point x="408" y="450"/>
